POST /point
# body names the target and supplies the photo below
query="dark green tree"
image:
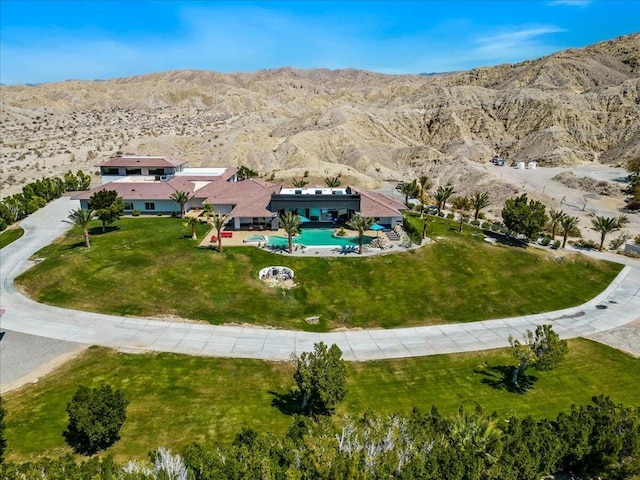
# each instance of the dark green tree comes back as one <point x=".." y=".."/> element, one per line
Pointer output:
<point x="409" y="189"/>
<point x="107" y="206"/>
<point x="524" y="217"/>
<point x="81" y="218"/>
<point x="442" y="195"/>
<point x="290" y="223"/>
<point x="321" y="378"/>
<point x="360" y="224"/>
<point x="181" y="198"/>
<point x="96" y="416"/>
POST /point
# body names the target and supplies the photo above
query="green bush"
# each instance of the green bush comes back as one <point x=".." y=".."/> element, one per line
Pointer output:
<point x="637" y="240"/>
<point x="556" y="244"/>
<point x="450" y="216"/>
<point x="475" y="223"/>
<point x="545" y="241"/>
<point x="590" y="244"/>
<point x="135" y="213"/>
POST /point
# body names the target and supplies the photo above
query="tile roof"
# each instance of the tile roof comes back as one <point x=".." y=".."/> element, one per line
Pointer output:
<point x="374" y="204"/>
<point x="133" y="190"/>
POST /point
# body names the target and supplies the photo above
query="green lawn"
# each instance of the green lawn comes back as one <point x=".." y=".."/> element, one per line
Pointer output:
<point x="150" y="266"/>
<point x="176" y="400"/>
<point x="10" y="235"/>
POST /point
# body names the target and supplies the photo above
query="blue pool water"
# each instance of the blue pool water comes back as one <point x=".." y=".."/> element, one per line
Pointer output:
<point x="255" y="238"/>
<point x="318" y="237"/>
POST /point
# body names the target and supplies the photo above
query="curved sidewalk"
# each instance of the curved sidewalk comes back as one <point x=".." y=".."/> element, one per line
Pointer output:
<point x="617" y="305"/>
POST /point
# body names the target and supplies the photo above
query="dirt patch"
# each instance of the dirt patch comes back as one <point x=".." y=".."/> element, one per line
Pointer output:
<point x="591" y="185"/>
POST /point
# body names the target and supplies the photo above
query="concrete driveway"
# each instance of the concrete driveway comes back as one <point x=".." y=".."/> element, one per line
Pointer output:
<point x="618" y="305"/>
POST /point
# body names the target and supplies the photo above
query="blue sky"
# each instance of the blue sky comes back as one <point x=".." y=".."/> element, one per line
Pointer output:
<point x="46" y="40"/>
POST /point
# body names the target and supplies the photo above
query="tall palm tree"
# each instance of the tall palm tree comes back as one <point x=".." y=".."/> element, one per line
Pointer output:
<point x="360" y="224"/>
<point x="219" y="221"/>
<point x="290" y="223"/>
<point x="604" y="226"/>
<point x="81" y="218"/>
<point x="442" y="195"/>
<point x="568" y="223"/>
<point x="181" y="198"/>
<point x="193" y="223"/>
<point x="555" y="220"/>
<point x="476" y="433"/>
<point x="479" y="200"/>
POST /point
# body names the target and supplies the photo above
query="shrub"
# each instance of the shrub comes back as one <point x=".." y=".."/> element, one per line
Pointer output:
<point x="556" y="244"/>
<point x="637" y="240"/>
<point x="450" y="216"/>
<point x="589" y="244"/>
<point x="475" y="223"/>
<point x="487" y="226"/>
<point x="545" y="241"/>
<point x="135" y="213"/>
<point x="341" y="232"/>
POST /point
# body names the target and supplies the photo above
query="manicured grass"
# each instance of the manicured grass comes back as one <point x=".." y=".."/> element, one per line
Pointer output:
<point x="176" y="400"/>
<point x="149" y="266"/>
<point x="10" y="235"/>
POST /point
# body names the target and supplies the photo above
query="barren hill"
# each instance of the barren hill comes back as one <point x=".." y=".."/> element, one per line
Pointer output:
<point x="570" y="108"/>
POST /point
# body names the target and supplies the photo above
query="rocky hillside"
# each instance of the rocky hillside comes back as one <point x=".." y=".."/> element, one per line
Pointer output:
<point x="569" y="108"/>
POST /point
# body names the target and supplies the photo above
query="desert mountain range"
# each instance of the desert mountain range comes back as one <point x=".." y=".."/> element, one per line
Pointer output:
<point x="574" y="107"/>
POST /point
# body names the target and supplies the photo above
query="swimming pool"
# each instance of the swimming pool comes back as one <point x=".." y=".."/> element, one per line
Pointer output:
<point x="255" y="238"/>
<point x="318" y="237"/>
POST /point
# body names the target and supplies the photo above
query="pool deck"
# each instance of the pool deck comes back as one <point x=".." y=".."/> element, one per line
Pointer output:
<point x="240" y="236"/>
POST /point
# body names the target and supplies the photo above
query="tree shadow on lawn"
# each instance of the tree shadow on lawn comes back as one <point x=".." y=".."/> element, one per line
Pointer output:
<point x="499" y="377"/>
<point x="505" y="239"/>
<point x="288" y="403"/>
<point x="107" y="229"/>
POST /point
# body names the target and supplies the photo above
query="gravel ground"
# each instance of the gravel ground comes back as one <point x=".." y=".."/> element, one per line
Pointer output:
<point x="25" y="358"/>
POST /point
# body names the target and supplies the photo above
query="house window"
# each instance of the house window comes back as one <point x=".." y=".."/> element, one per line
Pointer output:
<point x="108" y="171"/>
<point x="128" y="205"/>
<point x="133" y="171"/>
<point x="318" y="192"/>
<point x="149" y="206"/>
<point x="156" y="171"/>
<point x="298" y="192"/>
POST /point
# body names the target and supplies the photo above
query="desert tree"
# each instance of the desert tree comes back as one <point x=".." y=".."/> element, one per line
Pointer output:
<point x="544" y="349"/>
<point x="290" y="223"/>
<point x="81" y="218"/>
<point x="360" y="224"/>
<point x="567" y="225"/>
<point x="409" y="189"/>
<point x="479" y="200"/>
<point x="299" y="183"/>
<point x="181" y="198"/>
<point x="321" y="378"/>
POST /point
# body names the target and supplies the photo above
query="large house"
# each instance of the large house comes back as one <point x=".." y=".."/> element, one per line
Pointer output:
<point x="146" y="185"/>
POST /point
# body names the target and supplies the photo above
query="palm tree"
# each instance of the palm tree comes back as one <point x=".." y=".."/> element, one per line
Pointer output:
<point x="290" y="223"/>
<point x="442" y="195"/>
<point x="409" y="189"/>
<point x="219" y="221"/>
<point x="81" y="218"/>
<point x="360" y="224"/>
<point x="423" y="184"/>
<point x="604" y="226"/>
<point x="568" y="223"/>
<point x="193" y="223"/>
<point x="333" y="182"/>
<point x="555" y="220"/>
<point x="462" y="205"/>
<point x="476" y="433"/>
<point x="478" y="202"/>
<point x="181" y="198"/>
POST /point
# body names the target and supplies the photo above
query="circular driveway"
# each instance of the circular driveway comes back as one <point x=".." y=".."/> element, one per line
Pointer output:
<point x="618" y="305"/>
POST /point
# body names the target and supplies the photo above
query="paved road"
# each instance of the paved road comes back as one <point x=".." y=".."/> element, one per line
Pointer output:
<point x="618" y="305"/>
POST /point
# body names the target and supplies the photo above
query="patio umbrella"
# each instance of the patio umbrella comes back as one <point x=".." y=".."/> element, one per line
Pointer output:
<point x="376" y="227"/>
<point x="303" y="219"/>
